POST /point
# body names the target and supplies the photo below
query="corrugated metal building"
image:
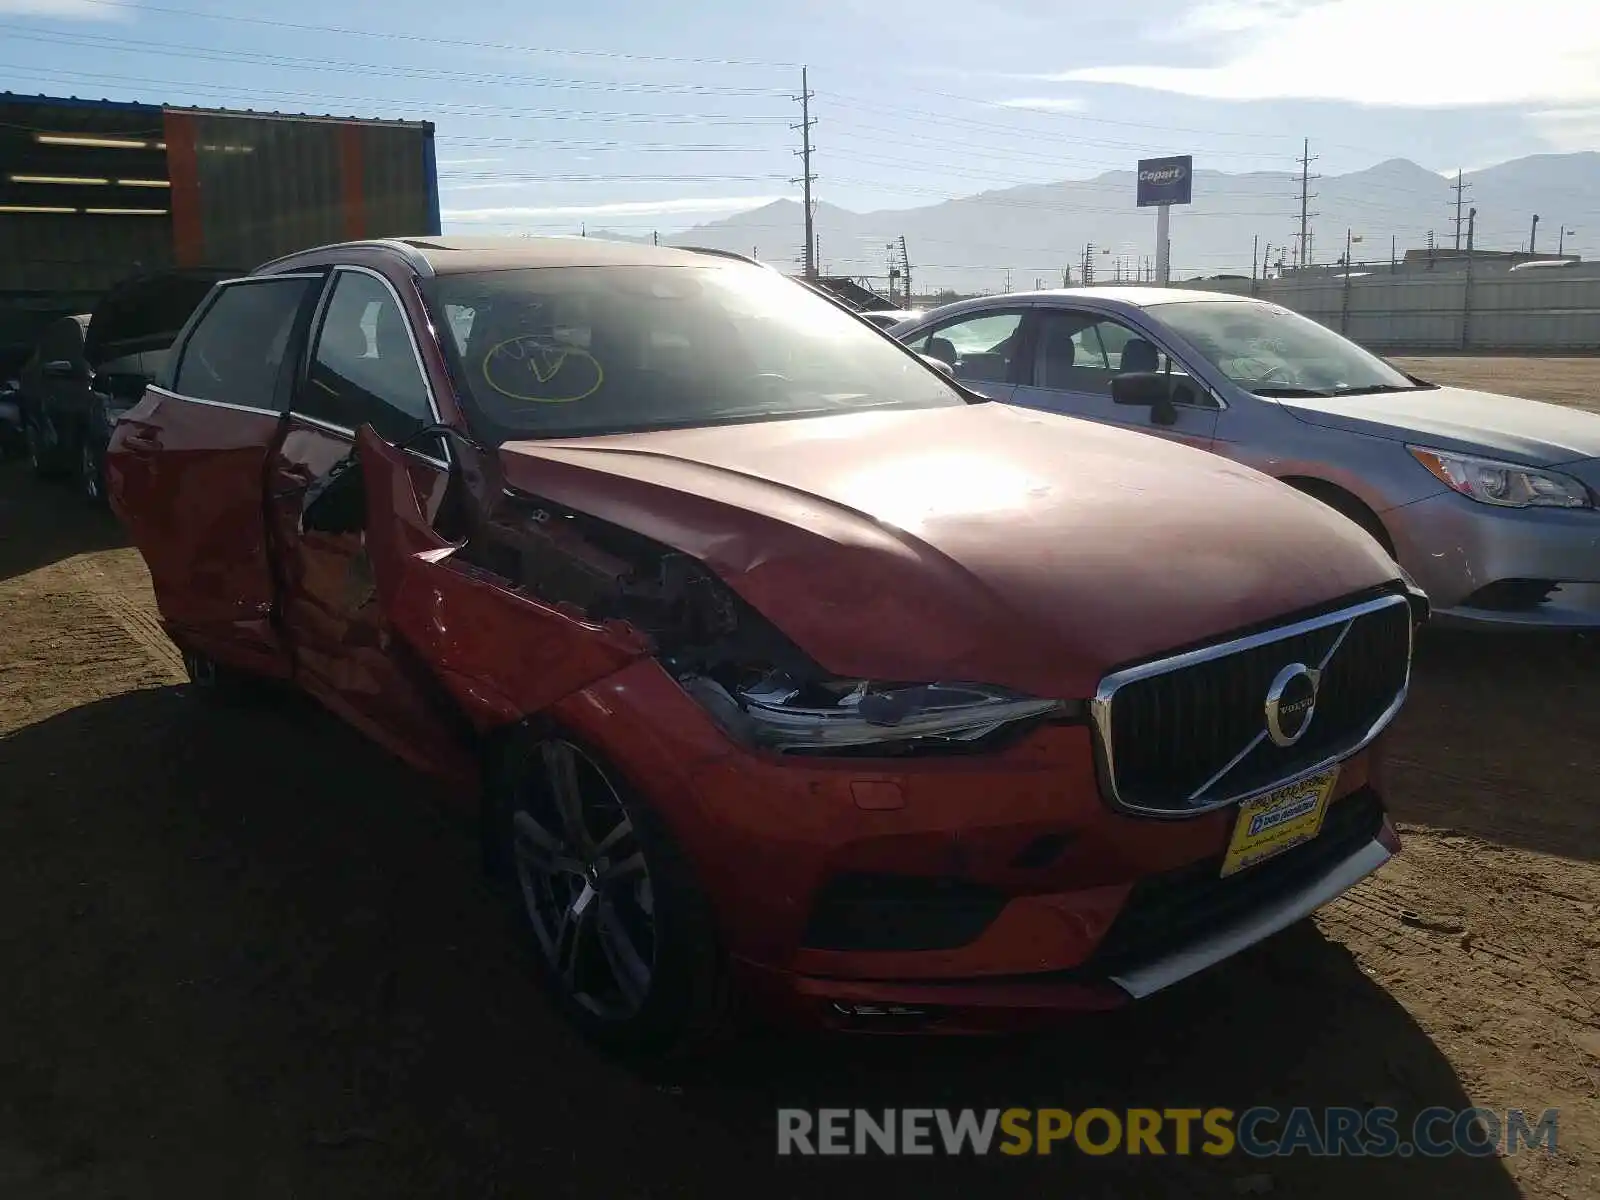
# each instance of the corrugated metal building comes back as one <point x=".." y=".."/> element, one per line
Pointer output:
<point x="93" y="191"/>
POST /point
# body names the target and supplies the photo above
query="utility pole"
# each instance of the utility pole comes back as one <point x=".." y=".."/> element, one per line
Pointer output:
<point x="905" y="268"/>
<point x="806" y="177"/>
<point x="1255" y="257"/>
<point x="1466" y="292"/>
<point x="1561" y="241"/>
<point x="1394" y="263"/>
<point x="1460" y="186"/>
<point x="1305" y="160"/>
<point x="1008" y="281"/>
<point x="1088" y="263"/>
<point x="1533" y="235"/>
<point x="1344" y="305"/>
<point x="655" y="237"/>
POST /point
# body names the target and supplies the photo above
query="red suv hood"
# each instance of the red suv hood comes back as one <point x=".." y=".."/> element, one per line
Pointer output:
<point x="985" y="543"/>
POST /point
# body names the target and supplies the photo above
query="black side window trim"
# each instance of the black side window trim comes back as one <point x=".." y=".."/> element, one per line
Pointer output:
<point x="168" y="380"/>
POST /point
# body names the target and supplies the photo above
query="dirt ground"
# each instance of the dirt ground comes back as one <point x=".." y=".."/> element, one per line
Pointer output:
<point x="243" y="953"/>
<point x="1559" y="380"/>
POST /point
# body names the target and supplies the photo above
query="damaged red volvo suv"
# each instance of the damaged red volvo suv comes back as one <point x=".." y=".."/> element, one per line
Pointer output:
<point x="783" y="666"/>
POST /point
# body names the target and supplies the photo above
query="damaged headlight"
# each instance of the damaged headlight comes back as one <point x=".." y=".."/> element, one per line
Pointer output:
<point x="777" y="713"/>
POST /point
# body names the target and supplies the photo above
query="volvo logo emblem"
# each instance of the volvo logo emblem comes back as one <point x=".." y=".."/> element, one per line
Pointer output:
<point x="1291" y="703"/>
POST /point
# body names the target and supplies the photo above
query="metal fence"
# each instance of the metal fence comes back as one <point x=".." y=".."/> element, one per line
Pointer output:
<point x="1499" y="312"/>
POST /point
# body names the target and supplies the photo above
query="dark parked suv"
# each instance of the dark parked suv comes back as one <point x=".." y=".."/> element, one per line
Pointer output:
<point x="87" y="370"/>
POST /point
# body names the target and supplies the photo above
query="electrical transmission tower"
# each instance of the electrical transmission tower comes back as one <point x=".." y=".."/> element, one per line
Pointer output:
<point x="1460" y="187"/>
<point x="905" y="269"/>
<point x="1303" y="239"/>
<point x="806" y="178"/>
<point x="1088" y="264"/>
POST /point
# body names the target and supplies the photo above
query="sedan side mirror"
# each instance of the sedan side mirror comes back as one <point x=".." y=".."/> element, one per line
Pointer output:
<point x="1147" y="389"/>
<point x="938" y="364"/>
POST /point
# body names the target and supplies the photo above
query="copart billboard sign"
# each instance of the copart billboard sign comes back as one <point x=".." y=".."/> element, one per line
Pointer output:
<point x="1165" y="180"/>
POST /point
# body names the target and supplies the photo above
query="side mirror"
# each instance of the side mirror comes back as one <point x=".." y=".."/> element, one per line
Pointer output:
<point x="337" y="502"/>
<point x="61" y="368"/>
<point x="938" y="364"/>
<point x="1147" y="389"/>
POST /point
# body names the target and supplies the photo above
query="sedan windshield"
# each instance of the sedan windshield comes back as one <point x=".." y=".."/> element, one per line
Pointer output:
<point x="1271" y="350"/>
<point x="548" y="352"/>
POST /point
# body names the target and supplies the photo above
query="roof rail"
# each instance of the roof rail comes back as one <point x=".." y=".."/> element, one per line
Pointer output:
<point x="733" y="254"/>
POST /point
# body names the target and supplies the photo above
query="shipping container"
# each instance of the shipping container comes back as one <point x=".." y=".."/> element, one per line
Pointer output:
<point x="94" y="191"/>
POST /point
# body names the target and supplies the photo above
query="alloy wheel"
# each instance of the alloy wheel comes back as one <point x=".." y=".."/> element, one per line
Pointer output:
<point x="585" y="883"/>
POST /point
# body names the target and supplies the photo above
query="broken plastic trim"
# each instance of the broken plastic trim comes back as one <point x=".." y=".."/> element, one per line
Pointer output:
<point x="777" y="714"/>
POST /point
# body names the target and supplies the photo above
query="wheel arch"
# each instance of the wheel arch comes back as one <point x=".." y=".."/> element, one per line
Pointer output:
<point x="1345" y="502"/>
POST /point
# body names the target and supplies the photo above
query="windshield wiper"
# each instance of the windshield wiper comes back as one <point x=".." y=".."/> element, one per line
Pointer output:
<point x="1286" y="390"/>
<point x="1375" y="388"/>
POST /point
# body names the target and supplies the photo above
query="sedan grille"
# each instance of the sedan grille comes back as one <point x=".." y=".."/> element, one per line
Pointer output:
<point x="1192" y="732"/>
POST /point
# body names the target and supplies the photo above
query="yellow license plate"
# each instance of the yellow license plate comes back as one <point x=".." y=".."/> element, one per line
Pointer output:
<point x="1269" y="824"/>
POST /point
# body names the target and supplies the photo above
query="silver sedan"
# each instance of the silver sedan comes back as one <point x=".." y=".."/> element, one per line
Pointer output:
<point x="1487" y="501"/>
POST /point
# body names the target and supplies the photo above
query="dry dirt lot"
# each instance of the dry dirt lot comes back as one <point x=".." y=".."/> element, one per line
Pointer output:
<point x="242" y="953"/>
<point x="1574" y="381"/>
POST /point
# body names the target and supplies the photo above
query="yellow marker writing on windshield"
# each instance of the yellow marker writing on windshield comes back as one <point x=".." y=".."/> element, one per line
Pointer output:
<point x="537" y="371"/>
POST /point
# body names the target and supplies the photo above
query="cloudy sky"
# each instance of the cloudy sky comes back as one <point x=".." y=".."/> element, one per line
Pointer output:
<point x="635" y="115"/>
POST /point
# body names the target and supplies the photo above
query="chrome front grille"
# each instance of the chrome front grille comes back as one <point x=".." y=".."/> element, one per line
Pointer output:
<point x="1190" y="733"/>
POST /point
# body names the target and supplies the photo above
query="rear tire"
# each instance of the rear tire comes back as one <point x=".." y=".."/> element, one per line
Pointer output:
<point x="621" y="937"/>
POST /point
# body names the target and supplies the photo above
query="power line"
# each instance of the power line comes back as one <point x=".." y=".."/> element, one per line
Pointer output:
<point x="428" y="39"/>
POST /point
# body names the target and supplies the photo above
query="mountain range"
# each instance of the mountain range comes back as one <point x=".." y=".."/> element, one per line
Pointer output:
<point x="1022" y="237"/>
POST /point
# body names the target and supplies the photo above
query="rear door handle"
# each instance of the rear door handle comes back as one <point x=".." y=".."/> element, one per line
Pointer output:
<point x="140" y="443"/>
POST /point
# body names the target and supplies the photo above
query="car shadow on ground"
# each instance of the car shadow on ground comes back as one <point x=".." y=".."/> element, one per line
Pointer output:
<point x="44" y="522"/>
<point x="1525" y="780"/>
<point x="246" y="951"/>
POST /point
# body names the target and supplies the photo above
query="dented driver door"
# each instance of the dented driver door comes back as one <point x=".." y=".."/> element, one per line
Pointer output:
<point x="362" y="369"/>
<point x="500" y="652"/>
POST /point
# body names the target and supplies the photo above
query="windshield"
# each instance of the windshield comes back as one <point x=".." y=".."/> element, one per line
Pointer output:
<point x="576" y="351"/>
<point x="1271" y="350"/>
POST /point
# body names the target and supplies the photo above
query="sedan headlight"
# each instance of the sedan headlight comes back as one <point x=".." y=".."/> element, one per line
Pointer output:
<point x="778" y="714"/>
<point x="1503" y="484"/>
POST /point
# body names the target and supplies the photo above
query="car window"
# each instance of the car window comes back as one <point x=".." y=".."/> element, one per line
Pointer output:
<point x="364" y="369"/>
<point x="1083" y="352"/>
<point x="979" y="349"/>
<point x="577" y="351"/>
<point x="236" y="352"/>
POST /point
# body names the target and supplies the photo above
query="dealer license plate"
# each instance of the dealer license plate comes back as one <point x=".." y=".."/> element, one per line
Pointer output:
<point x="1271" y="823"/>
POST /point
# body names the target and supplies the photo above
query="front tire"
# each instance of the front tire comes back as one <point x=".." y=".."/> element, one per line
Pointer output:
<point x="622" y="938"/>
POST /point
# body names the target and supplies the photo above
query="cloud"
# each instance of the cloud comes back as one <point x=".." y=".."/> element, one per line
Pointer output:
<point x="1568" y="130"/>
<point x="1045" y="103"/>
<point x="1396" y="53"/>
<point x="65" y="10"/>
<point x="623" y="208"/>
